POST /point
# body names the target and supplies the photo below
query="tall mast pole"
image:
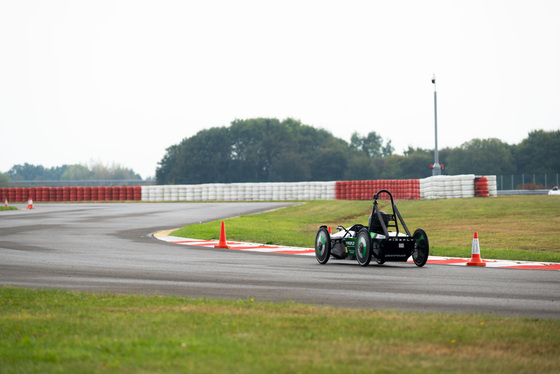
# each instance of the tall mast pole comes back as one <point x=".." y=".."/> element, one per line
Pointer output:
<point x="436" y="167"/>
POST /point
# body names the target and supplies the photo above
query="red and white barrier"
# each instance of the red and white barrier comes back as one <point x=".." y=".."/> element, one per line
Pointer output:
<point x="437" y="187"/>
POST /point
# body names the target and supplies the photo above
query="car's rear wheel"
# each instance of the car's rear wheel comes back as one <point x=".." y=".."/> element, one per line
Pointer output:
<point x="421" y="247"/>
<point x="323" y="245"/>
<point x="363" y="247"/>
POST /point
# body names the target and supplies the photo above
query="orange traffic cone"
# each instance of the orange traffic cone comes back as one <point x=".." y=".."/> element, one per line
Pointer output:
<point x="475" y="258"/>
<point x="5" y="203"/>
<point x="30" y="204"/>
<point x="222" y="243"/>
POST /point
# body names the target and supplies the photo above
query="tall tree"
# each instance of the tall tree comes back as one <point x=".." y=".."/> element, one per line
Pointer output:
<point x="26" y="172"/>
<point x="538" y="153"/>
<point x="255" y="150"/>
<point x="371" y="145"/>
<point x="481" y="156"/>
<point x="4" y="180"/>
<point x="413" y="165"/>
<point x="76" y="172"/>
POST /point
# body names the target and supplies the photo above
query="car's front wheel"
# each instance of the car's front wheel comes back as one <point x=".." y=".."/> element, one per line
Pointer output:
<point x="421" y="247"/>
<point x="323" y="245"/>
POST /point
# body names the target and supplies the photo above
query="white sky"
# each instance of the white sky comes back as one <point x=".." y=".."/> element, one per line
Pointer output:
<point x="120" y="81"/>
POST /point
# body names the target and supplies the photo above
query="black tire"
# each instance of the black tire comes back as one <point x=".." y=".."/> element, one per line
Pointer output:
<point x="421" y="248"/>
<point x="376" y="253"/>
<point x="323" y="246"/>
<point x="363" y="247"/>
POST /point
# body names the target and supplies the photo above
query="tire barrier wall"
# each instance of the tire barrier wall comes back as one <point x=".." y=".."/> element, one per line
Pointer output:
<point x="53" y="194"/>
<point x="241" y="192"/>
<point x="342" y="190"/>
<point x="457" y="186"/>
<point x="485" y="186"/>
<point x="437" y="187"/>
<point x="405" y="189"/>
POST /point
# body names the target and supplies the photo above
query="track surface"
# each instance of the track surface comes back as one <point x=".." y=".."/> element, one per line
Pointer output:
<point x="109" y="248"/>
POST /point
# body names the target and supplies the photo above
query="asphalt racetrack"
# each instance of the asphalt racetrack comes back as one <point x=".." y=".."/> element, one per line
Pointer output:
<point x="110" y="248"/>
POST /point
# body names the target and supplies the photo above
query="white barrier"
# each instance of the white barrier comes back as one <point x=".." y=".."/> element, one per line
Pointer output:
<point x="492" y="185"/>
<point x="447" y="187"/>
<point x="276" y="191"/>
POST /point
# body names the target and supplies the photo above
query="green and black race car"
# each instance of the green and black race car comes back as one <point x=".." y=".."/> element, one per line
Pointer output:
<point x="375" y="240"/>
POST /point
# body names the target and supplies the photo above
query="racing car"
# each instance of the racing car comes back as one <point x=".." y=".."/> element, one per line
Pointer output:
<point x="374" y="240"/>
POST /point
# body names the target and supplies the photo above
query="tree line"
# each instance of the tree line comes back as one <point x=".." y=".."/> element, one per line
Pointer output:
<point x="270" y="150"/>
<point x="28" y="172"/>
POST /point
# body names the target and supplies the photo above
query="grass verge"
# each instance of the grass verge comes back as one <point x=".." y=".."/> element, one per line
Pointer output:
<point x="58" y="331"/>
<point x="523" y="228"/>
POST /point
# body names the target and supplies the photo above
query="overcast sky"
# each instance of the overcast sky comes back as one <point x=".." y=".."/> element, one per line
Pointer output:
<point x="120" y="81"/>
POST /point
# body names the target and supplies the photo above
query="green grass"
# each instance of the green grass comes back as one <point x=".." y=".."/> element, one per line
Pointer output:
<point x="7" y="208"/>
<point x="523" y="228"/>
<point x="51" y="331"/>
